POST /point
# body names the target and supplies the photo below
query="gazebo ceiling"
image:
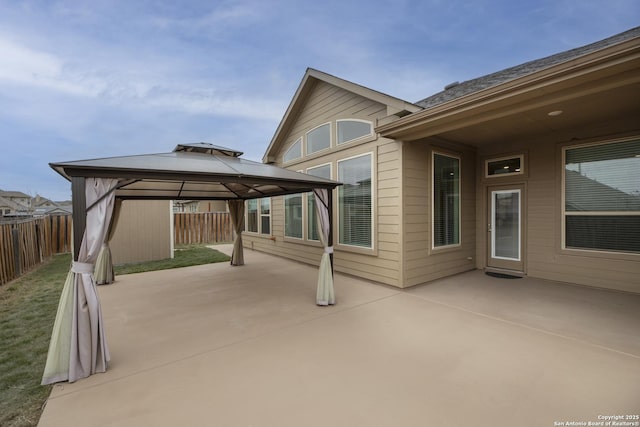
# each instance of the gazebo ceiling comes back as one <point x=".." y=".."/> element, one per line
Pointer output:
<point x="198" y="171"/>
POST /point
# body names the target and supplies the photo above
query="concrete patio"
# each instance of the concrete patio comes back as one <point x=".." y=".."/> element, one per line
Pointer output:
<point x="216" y="345"/>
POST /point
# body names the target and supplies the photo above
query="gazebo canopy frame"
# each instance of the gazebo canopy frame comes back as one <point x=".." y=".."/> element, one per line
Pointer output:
<point x="198" y="171"/>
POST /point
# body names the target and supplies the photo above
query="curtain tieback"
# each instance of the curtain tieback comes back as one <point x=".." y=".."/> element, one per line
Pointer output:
<point x="82" y="267"/>
<point x="328" y="249"/>
<point x="105" y="244"/>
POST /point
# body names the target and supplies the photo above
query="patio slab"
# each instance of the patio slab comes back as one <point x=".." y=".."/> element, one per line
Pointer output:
<point x="246" y="346"/>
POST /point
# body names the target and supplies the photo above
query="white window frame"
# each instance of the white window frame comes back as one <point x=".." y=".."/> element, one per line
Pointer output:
<point x="369" y="135"/>
<point x="298" y="143"/>
<point x="373" y="201"/>
<point x="563" y="221"/>
<point x="306" y="137"/>
<point x="433" y="187"/>
<point x="259" y="216"/>
<point x="503" y="175"/>
<point x="493" y="221"/>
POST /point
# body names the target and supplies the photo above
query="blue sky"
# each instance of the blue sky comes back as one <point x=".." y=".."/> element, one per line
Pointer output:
<point x="101" y="78"/>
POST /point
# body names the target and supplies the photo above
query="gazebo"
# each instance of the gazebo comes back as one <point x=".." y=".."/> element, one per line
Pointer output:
<point x="198" y="171"/>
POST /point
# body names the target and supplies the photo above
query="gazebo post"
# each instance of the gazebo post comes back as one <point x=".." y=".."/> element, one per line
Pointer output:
<point x="330" y="240"/>
<point x="79" y="203"/>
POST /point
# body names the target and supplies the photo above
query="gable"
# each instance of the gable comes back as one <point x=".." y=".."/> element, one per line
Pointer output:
<point x="321" y="96"/>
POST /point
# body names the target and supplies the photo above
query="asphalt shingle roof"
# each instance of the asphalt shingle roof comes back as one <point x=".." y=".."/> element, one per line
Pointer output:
<point x="494" y="79"/>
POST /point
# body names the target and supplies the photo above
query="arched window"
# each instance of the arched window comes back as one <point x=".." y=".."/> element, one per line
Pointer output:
<point x="294" y="152"/>
<point x="348" y="130"/>
<point x="319" y="138"/>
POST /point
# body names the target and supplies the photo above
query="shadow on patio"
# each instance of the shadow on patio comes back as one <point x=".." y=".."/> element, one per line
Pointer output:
<point x="247" y="346"/>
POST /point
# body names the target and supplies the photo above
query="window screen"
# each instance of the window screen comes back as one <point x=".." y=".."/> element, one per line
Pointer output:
<point x="602" y="197"/>
<point x="355" y="201"/>
<point x="446" y="200"/>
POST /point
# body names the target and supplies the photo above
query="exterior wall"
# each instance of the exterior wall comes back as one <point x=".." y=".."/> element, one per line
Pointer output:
<point x="544" y="256"/>
<point x="326" y="103"/>
<point x="144" y="232"/>
<point x="421" y="262"/>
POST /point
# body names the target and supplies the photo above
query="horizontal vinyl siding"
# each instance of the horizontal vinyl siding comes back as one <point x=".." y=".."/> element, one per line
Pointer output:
<point x="327" y="103"/>
<point x="421" y="263"/>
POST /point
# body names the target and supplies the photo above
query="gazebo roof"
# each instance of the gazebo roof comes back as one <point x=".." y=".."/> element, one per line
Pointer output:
<point x="198" y="171"/>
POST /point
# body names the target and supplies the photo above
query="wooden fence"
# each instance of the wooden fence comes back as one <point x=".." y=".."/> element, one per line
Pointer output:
<point x="28" y="242"/>
<point x="202" y="227"/>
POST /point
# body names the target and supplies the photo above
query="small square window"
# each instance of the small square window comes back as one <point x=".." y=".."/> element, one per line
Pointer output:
<point x="504" y="166"/>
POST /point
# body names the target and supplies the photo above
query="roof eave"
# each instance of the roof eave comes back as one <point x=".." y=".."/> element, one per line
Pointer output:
<point x="628" y="50"/>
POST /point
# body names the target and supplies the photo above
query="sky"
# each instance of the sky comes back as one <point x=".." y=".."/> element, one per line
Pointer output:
<point x="101" y="78"/>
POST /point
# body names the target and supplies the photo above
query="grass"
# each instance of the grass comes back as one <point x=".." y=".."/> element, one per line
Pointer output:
<point x="184" y="256"/>
<point x="27" y="310"/>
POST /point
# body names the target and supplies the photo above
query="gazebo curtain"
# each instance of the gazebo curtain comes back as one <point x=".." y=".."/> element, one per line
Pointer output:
<point x="78" y="347"/>
<point x="325" y="293"/>
<point x="236" y="210"/>
<point x="103" y="273"/>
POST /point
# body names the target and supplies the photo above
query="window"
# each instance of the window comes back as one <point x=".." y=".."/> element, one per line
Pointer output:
<point x="505" y="166"/>
<point x="258" y="216"/>
<point x="294" y="152"/>
<point x="355" y="208"/>
<point x="319" y="138"/>
<point x="602" y="197"/>
<point x="446" y="200"/>
<point x="265" y="216"/>
<point x="348" y="130"/>
<point x="323" y="171"/>
<point x="252" y="216"/>
<point x="293" y="216"/>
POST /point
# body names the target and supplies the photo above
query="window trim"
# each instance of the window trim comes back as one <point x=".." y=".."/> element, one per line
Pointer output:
<point x="455" y="245"/>
<point x="284" y="156"/>
<point x="364" y="249"/>
<point x="504" y="175"/>
<point x="369" y="135"/>
<point x="563" y="214"/>
<point x="306" y="139"/>
<point x="259" y="217"/>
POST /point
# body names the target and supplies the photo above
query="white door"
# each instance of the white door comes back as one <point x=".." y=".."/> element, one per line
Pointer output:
<point x="505" y="227"/>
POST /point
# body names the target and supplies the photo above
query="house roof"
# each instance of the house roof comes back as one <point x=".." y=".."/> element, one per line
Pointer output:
<point x="515" y="103"/>
<point x="16" y="194"/>
<point x="465" y="88"/>
<point x="203" y="174"/>
<point x="4" y="202"/>
<point x="395" y="106"/>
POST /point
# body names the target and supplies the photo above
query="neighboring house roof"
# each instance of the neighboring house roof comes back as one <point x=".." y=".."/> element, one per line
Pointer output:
<point x="395" y="106"/>
<point x="195" y="175"/>
<point x="4" y="202"/>
<point x="14" y="194"/>
<point x="581" y="191"/>
<point x="455" y="91"/>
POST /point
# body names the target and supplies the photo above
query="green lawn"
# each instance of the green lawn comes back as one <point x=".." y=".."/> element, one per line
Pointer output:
<point x="27" y="310"/>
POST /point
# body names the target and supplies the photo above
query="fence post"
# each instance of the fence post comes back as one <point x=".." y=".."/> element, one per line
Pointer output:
<point x="16" y="251"/>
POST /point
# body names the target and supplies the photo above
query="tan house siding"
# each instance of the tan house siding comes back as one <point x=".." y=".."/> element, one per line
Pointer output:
<point x="326" y="104"/>
<point x="545" y="257"/>
<point x="144" y="232"/>
<point x="421" y="262"/>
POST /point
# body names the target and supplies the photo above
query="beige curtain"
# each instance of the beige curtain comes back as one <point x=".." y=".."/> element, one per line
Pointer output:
<point x="325" y="294"/>
<point x="236" y="210"/>
<point x="103" y="273"/>
<point x="78" y="347"/>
